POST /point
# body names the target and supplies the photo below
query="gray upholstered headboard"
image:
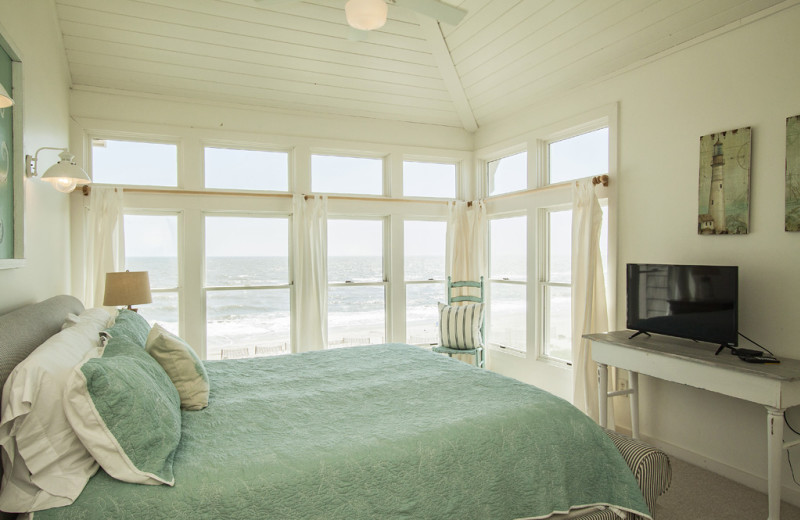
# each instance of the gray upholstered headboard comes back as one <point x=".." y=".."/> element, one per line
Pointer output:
<point x="24" y="329"/>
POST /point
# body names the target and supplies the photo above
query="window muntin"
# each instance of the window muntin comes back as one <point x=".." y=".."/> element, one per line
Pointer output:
<point x="507" y="313"/>
<point x="424" y="265"/>
<point x="356" y="286"/>
<point x="151" y="244"/>
<point x="583" y="155"/>
<point x="426" y="179"/>
<point x="134" y="163"/>
<point x="248" y="296"/>
<point x="237" y="169"/>
<point x="340" y="174"/>
<point x="507" y="174"/>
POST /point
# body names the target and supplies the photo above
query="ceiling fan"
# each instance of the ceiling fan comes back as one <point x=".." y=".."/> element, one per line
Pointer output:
<point x="368" y="15"/>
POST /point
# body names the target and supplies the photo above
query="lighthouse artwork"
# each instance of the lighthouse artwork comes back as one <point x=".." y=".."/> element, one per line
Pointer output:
<point x="724" y="194"/>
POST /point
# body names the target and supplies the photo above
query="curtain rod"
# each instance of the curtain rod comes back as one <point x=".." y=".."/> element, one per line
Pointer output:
<point x="600" y="179"/>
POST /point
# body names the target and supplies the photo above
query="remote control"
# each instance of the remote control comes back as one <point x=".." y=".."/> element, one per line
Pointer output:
<point x="759" y="359"/>
<point x="747" y="352"/>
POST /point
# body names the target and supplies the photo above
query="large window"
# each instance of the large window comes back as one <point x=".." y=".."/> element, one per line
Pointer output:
<point x="234" y="169"/>
<point x="338" y="174"/>
<point x="507" y="174"/>
<point x="583" y="155"/>
<point x="356" y="284"/>
<point x="508" y="282"/>
<point x="151" y="244"/>
<point x="135" y="163"/>
<point x="247" y="286"/>
<point x="424" y="266"/>
<point x="426" y="179"/>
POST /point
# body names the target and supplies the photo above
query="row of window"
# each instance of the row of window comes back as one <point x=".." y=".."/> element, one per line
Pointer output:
<point x="247" y="282"/>
<point x="156" y="164"/>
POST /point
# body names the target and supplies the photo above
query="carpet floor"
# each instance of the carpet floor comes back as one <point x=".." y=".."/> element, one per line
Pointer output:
<point x="698" y="494"/>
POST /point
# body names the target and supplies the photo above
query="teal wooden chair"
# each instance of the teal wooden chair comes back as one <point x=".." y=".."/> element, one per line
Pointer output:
<point x="478" y="352"/>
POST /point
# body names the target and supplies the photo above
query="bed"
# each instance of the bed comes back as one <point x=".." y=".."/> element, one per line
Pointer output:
<point x="389" y="431"/>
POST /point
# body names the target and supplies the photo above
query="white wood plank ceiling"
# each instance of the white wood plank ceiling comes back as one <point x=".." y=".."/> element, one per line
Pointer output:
<point x="504" y="55"/>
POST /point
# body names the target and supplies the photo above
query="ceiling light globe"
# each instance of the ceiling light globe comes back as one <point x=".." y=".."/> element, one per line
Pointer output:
<point x="366" y="15"/>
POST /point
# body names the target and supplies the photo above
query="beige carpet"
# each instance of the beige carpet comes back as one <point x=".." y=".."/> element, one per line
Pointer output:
<point x="698" y="494"/>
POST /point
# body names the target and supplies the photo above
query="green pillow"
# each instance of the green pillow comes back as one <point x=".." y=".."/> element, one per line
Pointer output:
<point x="126" y="411"/>
<point x="182" y="365"/>
<point x="130" y="325"/>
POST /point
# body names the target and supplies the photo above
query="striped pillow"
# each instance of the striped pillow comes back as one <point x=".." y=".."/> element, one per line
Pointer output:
<point x="460" y="326"/>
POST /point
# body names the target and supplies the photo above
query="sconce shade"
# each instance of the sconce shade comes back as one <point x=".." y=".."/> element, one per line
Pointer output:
<point x="5" y="98"/>
<point x="366" y="15"/>
<point x="128" y="288"/>
<point x="66" y="174"/>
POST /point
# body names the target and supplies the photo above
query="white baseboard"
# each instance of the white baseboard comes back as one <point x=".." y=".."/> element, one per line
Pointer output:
<point x="790" y="494"/>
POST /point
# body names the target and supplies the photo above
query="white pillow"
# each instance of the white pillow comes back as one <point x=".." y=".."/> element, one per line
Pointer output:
<point x="97" y="315"/>
<point x="182" y="365"/>
<point x="45" y="463"/>
<point x="460" y="325"/>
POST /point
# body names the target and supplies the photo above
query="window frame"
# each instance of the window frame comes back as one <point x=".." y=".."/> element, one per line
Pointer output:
<point x="544" y="283"/>
<point x="563" y="135"/>
<point x="205" y="288"/>
<point x="430" y="281"/>
<point x="492" y="282"/>
<point x="179" y="289"/>
<point x="248" y="148"/>
<point x="385" y="182"/>
<point x="385" y="267"/>
<point x="143" y="139"/>
<point x="503" y="154"/>
<point x="415" y="159"/>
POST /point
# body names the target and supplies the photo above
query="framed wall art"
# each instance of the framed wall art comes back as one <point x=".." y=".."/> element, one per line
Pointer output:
<point x="12" y="230"/>
<point x="724" y="193"/>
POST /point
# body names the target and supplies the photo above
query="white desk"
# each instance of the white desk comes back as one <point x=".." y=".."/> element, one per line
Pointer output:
<point x="776" y="386"/>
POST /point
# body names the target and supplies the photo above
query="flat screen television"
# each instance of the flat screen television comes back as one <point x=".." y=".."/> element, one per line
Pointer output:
<point x="698" y="302"/>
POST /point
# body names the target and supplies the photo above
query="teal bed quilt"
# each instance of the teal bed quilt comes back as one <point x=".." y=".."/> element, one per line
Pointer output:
<point x="376" y="432"/>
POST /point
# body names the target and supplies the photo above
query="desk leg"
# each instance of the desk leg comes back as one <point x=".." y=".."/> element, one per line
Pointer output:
<point x="774" y="459"/>
<point x="602" y="393"/>
<point x="634" y="382"/>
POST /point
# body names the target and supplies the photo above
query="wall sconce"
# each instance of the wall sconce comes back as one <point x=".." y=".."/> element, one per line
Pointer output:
<point x="5" y="98"/>
<point x="65" y="175"/>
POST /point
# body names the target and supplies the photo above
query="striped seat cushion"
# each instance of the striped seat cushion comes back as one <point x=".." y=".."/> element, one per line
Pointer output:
<point x="460" y="326"/>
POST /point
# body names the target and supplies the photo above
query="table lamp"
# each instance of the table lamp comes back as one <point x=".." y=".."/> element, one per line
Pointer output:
<point x="128" y="288"/>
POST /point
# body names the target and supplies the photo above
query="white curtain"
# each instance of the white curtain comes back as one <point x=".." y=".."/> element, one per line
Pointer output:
<point x="466" y="252"/>
<point x="103" y="240"/>
<point x="310" y="223"/>
<point x="589" y="309"/>
<point x="467" y="229"/>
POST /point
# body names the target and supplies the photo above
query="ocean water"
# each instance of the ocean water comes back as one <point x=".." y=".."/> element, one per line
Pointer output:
<point x="247" y="322"/>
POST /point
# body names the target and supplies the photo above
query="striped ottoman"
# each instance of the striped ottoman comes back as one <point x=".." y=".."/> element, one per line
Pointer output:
<point x="649" y="465"/>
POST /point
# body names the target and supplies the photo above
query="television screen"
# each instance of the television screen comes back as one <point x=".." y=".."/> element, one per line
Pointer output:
<point x="689" y="301"/>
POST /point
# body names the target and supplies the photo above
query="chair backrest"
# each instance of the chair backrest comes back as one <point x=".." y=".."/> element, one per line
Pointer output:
<point x="468" y="298"/>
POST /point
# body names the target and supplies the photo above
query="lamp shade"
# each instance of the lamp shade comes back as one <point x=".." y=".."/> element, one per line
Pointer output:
<point x="5" y="98"/>
<point x="66" y="174"/>
<point x="366" y="15"/>
<point x="128" y="288"/>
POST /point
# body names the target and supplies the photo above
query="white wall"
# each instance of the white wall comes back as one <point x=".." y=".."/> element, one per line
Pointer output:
<point x="746" y="76"/>
<point x="32" y="28"/>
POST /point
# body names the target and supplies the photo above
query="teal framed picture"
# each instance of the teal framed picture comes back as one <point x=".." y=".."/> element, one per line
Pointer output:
<point x="12" y="230"/>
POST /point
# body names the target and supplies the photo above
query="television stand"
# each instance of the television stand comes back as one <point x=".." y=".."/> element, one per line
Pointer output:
<point x="774" y="386"/>
<point x="639" y="332"/>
